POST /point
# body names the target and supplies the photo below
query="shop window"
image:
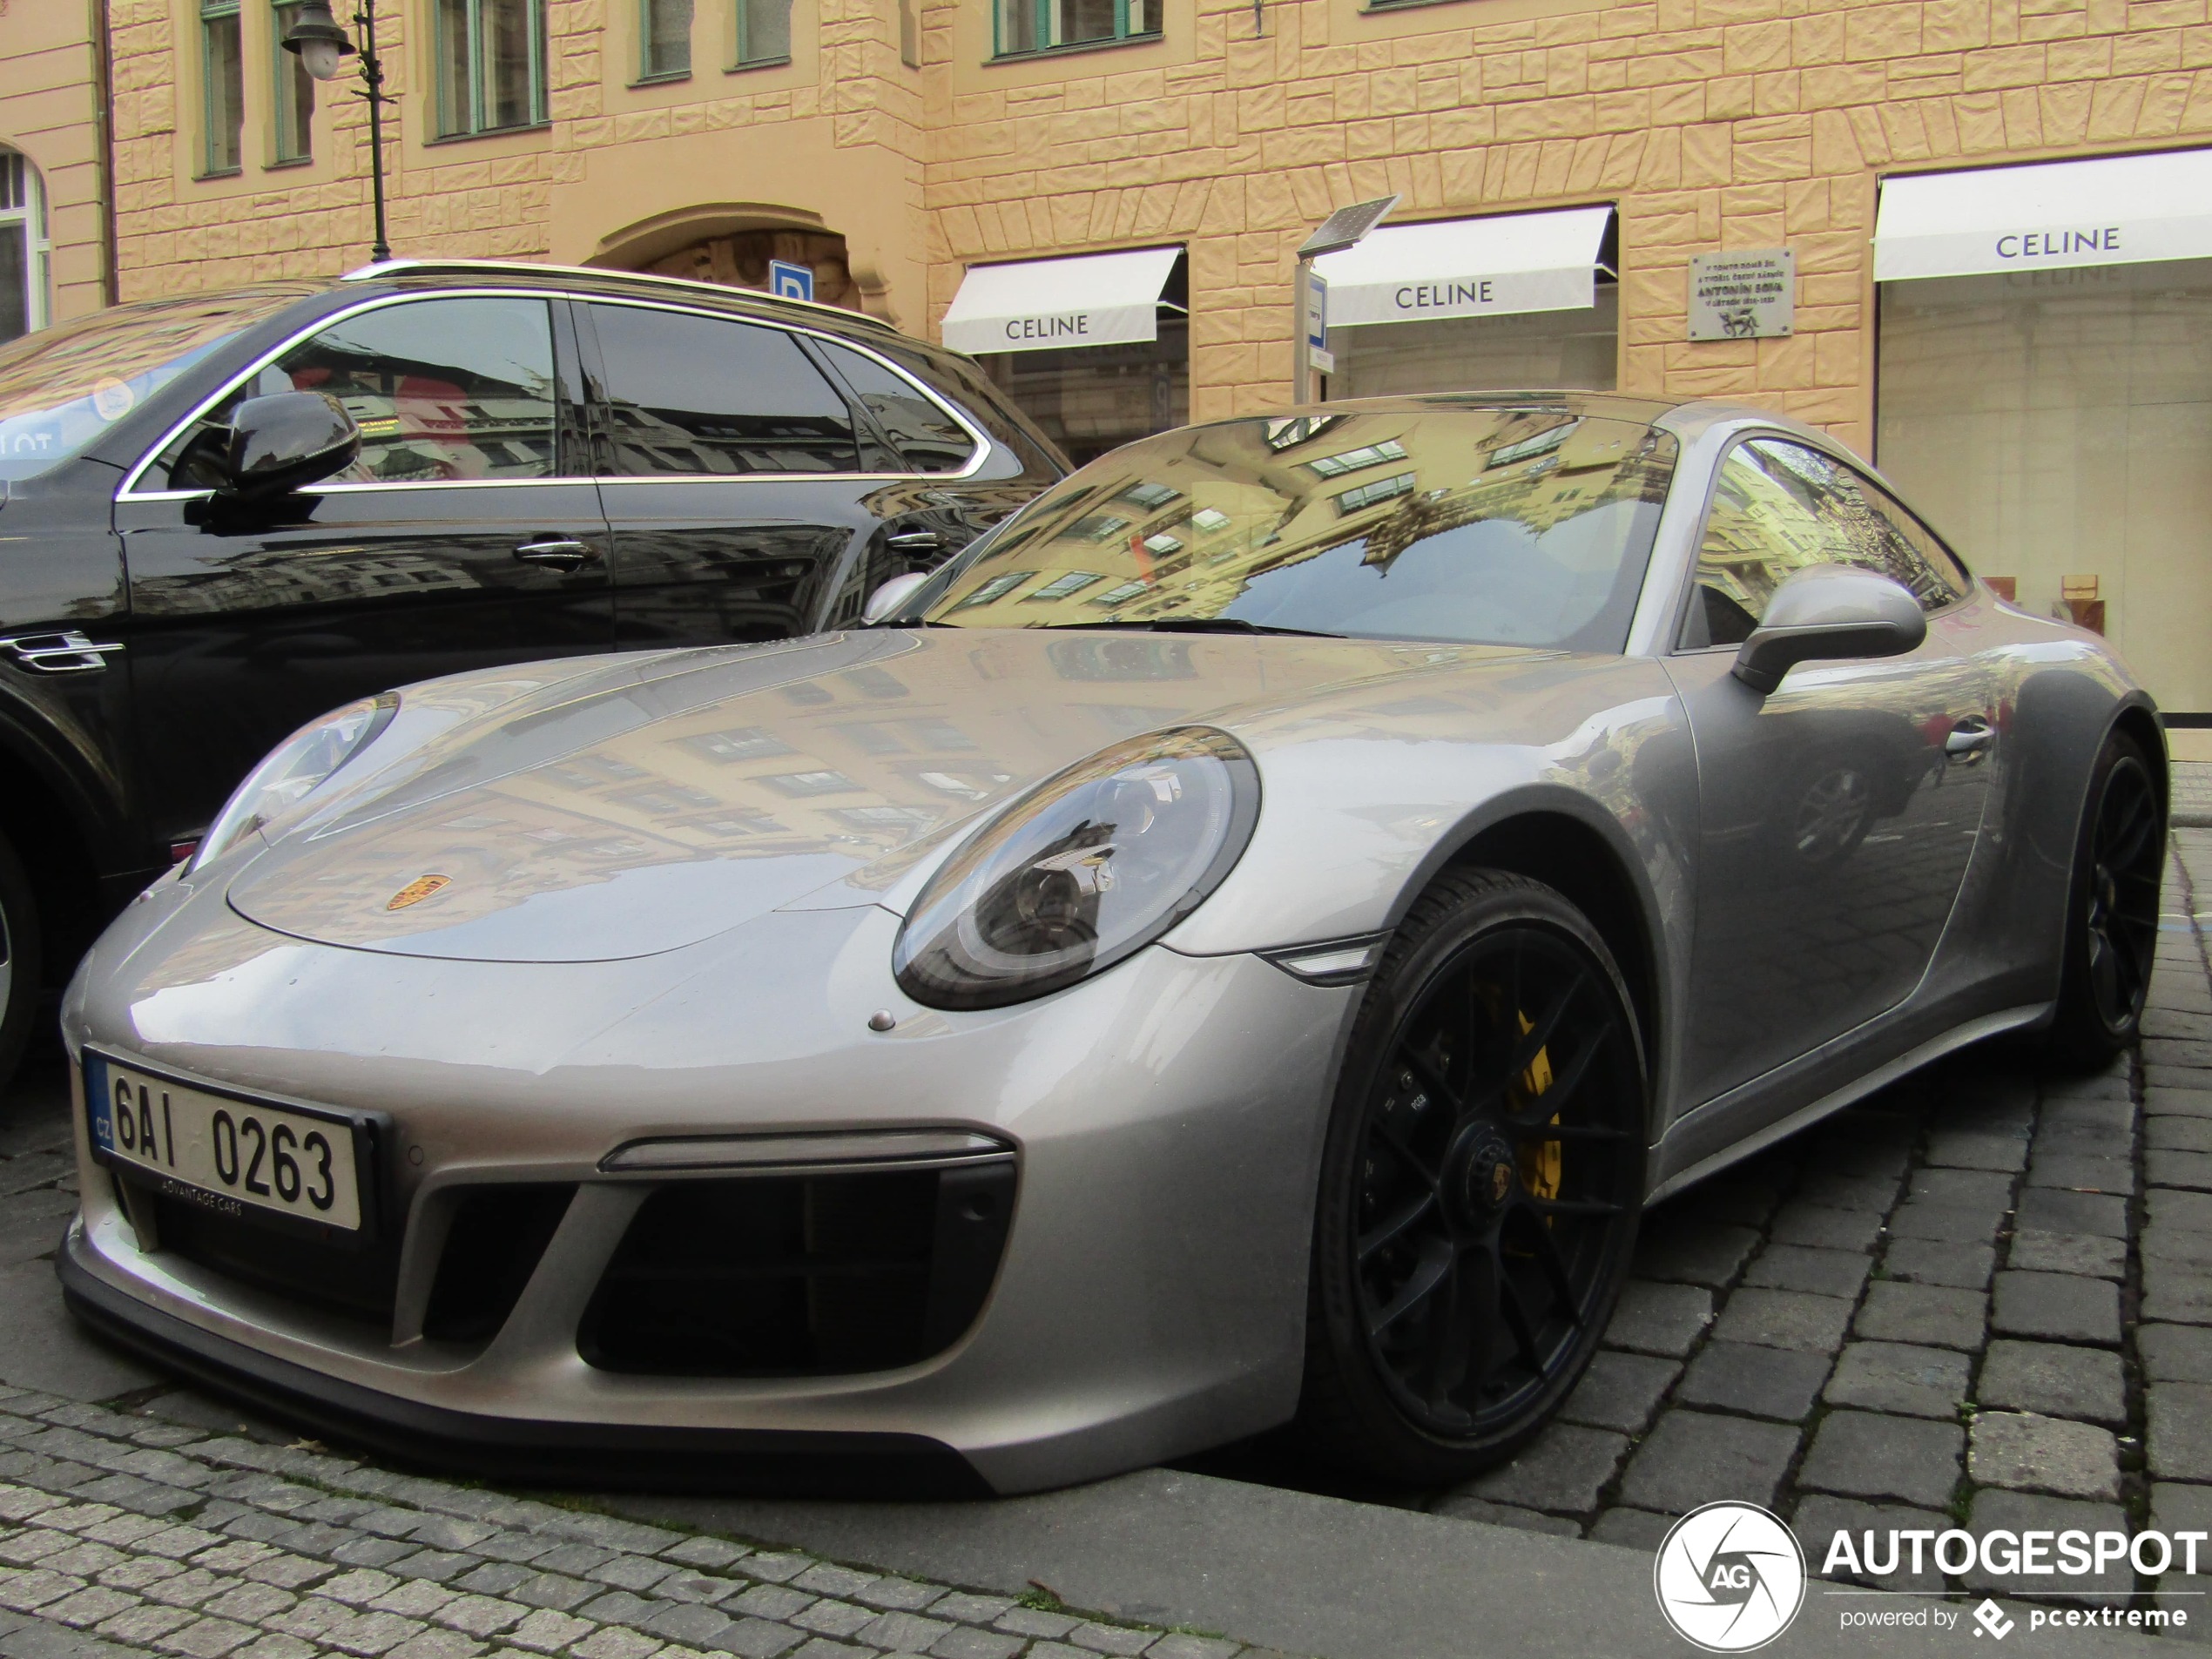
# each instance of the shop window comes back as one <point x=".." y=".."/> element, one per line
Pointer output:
<point x="664" y="31"/>
<point x="2057" y="427"/>
<point x="764" y="33"/>
<point x="491" y="65"/>
<point x="25" y="255"/>
<point x="291" y="91"/>
<point x="1026" y="26"/>
<point x="1511" y="302"/>
<point x="1576" y="350"/>
<point x="222" y="79"/>
<point x="1090" y="399"/>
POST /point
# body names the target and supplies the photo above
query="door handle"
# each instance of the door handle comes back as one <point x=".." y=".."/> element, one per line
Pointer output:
<point x="917" y="541"/>
<point x="558" y="554"/>
<point x="1969" y="737"/>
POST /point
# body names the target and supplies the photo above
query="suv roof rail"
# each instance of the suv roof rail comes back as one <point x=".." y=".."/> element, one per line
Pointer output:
<point x="389" y="267"/>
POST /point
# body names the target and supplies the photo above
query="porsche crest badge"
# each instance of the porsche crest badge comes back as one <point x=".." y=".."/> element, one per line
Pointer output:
<point x="416" y="891"/>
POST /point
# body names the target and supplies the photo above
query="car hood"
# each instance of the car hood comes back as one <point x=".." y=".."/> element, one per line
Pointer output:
<point x="643" y="804"/>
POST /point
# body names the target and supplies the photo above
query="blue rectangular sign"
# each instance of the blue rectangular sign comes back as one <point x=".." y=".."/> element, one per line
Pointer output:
<point x="788" y="281"/>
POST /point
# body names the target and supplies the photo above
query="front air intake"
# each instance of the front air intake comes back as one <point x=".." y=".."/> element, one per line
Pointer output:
<point x="800" y="1275"/>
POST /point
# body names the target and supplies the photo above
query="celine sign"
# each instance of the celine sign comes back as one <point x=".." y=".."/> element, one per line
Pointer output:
<point x="1050" y="305"/>
<point x="2052" y="215"/>
<point x="1467" y="267"/>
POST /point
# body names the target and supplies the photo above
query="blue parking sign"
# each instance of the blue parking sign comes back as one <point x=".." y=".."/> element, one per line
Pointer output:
<point x="790" y="282"/>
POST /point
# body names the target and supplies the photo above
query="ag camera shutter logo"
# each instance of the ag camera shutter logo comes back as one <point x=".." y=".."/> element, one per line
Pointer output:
<point x="1730" y="1577"/>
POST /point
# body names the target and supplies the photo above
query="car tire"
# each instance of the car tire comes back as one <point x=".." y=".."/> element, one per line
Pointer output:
<point x="22" y="959"/>
<point x="1494" y="994"/>
<point x="2112" y="909"/>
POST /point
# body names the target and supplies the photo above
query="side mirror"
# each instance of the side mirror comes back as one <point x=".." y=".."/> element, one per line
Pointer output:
<point x="282" y="442"/>
<point x="887" y="599"/>
<point x="1830" y="612"/>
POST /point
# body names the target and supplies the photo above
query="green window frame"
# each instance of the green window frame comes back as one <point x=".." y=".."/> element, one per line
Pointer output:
<point x="291" y="101"/>
<point x="764" y="33"/>
<point x="1024" y="28"/>
<point x="664" y="39"/>
<point x="491" y="62"/>
<point x="222" y="88"/>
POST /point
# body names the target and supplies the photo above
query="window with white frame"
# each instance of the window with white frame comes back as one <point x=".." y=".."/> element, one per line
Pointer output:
<point x="25" y="254"/>
<point x="222" y="88"/>
<point x="293" y="90"/>
<point x="491" y="65"/>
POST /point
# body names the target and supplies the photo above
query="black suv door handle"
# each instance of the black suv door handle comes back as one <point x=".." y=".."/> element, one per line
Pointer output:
<point x="559" y="554"/>
<point x="917" y="541"/>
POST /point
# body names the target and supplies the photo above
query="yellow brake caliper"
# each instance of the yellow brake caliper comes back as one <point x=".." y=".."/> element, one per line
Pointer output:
<point x="1539" y="1161"/>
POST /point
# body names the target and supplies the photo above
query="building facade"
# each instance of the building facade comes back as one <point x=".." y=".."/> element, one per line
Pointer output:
<point x="1104" y="200"/>
<point x="53" y="148"/>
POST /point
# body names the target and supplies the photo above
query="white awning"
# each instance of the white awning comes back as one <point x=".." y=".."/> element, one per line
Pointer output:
<point x="2114" y="210"/>
<point x="1048" y="305"/>
<point x="1467" y="267"/>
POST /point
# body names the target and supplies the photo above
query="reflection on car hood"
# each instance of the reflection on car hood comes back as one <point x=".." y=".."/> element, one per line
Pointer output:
<point x="652" y="801"/>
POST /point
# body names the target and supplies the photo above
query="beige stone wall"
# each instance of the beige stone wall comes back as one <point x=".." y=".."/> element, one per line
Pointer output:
<point x="833" y="139"/>
<point x="50" y="110"/>
<point x="1712" y="122"/>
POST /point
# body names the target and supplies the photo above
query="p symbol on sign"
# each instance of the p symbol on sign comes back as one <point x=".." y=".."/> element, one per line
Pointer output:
<point x="789" y="281"/>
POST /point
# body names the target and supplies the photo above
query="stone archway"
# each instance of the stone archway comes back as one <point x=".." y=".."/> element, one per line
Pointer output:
<point x="731" y="243"/>
<point x="740" y="261"/>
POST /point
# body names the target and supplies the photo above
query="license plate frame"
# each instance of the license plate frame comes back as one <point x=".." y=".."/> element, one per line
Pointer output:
<point x="366" y="1133"/>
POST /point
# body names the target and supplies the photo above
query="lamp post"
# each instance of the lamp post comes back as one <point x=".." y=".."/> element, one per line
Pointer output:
<point x="1347" y="227"/>
<point x="323" y="48"/>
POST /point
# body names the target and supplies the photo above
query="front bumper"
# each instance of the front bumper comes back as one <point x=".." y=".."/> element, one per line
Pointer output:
<point x="1166" y="1117"/>
<point x="846" y="1464"/>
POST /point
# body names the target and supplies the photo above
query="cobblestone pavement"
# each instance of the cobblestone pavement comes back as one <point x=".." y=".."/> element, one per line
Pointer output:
<point x="1983" y="1298"/>
<point x="145" y="1525"/>
<point x="147" y="1535"/>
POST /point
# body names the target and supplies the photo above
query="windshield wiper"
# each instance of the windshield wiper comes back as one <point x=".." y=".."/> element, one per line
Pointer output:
<point x="1202" y="625"/>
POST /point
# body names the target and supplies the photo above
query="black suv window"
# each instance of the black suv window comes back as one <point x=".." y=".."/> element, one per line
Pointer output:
<point x="440" y="390"/>
<point x="691" y="395"/>
<point x="927" y="439"/>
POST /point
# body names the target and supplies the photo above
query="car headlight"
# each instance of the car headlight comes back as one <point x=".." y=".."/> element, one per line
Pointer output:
<point x="294" y="770"/>
<point x="1094" y="864"/>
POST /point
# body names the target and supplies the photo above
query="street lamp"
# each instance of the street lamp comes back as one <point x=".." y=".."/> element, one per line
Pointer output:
<point x="323" y="48"/>
<point x="1347" y="227"/>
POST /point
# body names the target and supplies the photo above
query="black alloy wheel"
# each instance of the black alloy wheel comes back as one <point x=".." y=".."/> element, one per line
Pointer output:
<point x="1481" y="1187"/>
<point x="2112" y="921"/>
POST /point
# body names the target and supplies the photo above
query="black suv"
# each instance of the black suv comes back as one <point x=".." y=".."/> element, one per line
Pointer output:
<point x="506" y="462"/>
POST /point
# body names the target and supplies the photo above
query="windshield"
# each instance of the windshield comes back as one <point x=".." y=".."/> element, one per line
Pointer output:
<point x="62" y="388"/>
<point x="1434" y="522"/>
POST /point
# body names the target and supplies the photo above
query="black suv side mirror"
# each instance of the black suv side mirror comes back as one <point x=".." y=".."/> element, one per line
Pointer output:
<point x="279" y="444"/>
<point x="1830" y="612"/>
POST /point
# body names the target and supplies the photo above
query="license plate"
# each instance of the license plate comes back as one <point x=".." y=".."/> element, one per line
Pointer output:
<point x="228" y="1154"/>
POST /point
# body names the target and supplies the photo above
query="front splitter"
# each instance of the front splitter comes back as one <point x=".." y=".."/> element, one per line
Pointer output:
<point x="756" y="1462"/>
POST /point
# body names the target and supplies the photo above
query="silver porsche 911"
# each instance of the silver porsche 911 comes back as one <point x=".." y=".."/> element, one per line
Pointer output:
<point x="1239" y="946"/>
